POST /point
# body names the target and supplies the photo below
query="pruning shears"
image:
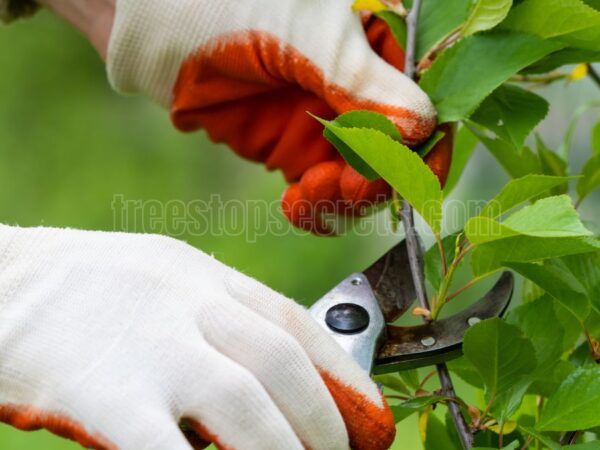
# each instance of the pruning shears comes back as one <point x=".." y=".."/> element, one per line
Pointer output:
<point x="358" y="313"/>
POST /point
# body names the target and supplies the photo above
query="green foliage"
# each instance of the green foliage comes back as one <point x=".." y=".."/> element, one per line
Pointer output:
<point x="520" y="190"/>
<point x="512" y="446"/>
<point x="405" y="409"/>
<point x="501" y="354"/>
<point x="358" y="119"/>
<point x="437" y="436"/>
<point x="590" y="180"/>
<point x="549" y="217"/>
<point x="464" y="145"/>
<point x="494" y="255"/>
<point x="485" y="15"/>
<point x="595" y="141"/>
<point x="466" y="73"/>
<point x="402" y="168"/>
<point x="556" y="283"/>
<point x="574" y="405"/>
<point x="551" y="18"/>
<point x="437" y="19"/>
<point x="552" y="164"/>
<point x="511" y="113"/>
<point x="433" y="263"/>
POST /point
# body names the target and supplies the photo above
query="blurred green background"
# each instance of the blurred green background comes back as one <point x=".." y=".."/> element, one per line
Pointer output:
<point x="69" y="145"/>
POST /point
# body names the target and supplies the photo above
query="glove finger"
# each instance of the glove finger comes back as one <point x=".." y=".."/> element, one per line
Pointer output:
<point x="301" y="213"/>
<point x="282" y="366"/>
<point x="151" y="430"/>
<point x="440" y="156"/>
<point x="369" y="421"/>
<point x="360" y="193"/>
<point x="225" y="404"/>
<point x="270" y="127"/>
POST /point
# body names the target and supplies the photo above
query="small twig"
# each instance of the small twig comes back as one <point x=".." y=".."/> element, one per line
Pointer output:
<point x="541" y="79"/>
<point x="442" y="44"/>
<point x="464" y="434"/>
<point x="442" y="255"/>
<point x="426" y="378"/>
<point x="593" y="74"/>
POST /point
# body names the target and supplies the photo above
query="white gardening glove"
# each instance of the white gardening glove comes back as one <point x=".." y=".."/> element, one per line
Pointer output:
<point x="112" y="339"/>
<point x="247" y="71"/>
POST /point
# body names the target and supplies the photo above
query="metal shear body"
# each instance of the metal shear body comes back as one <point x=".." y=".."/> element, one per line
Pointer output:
<point x="359" y="310"/>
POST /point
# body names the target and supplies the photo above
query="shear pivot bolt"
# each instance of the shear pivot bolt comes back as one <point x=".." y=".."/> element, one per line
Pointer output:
<point x="347" y="318"/>
<point x="428" y="341"/>
<point x="356" y="281"/>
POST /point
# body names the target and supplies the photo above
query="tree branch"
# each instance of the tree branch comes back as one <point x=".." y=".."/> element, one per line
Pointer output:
<point x="414" y="246"/>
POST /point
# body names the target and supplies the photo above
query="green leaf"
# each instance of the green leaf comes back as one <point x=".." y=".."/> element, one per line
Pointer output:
<point x="561" y="58"/>
<point x="428" y="145"/>
<point x="574" y="406"/>
<point x="511" y="113"/>
<point x="565" y="147"/>
<point x="549" y="217"/>
<point x="586" y="270"/>
<point x="591" y="177"/>
<point x="402" y="168"/>
<point x="595" y="141"/>
<point x="592" y="445"/>
<point x="500" y="353"/>
<point x="492" y="256"/>
<point x="593" y="4"/>
<point x="520" y="190"/>
<point x="466" y="371"/>
<point x="551" y="18"/>
<point x="546" y="383"/>
<point x="552" y="164"/>
<point x="437" y="436"/>
<point x="466" y="73"/>
<point x="514" y="445"/>
<point x="433" y="262"/>
<point x="358" y="119"/>
<point x="558" y="285"/>
<point x="397" y="25"/>
<point x="437" y="19"/>
<point x="508" y="402"/>
<point x="464" y="145"/>
<point x="545" y="440"/>
<point x="485" y="15"/>
<point x="405" y="409"/>
<point x="410" y="377"/>
<point x="517" y="164"/>
<point x="533" y="319"/>
<point x="392" y="382"/>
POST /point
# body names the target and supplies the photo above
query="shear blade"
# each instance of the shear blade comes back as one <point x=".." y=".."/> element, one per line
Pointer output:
<point x="440" y="340"/>
<point x="392" y="283"/>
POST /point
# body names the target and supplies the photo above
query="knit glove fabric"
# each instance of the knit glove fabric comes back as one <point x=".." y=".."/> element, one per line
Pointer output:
<point x="248" y="71"/>
<point x="112" y="339"/>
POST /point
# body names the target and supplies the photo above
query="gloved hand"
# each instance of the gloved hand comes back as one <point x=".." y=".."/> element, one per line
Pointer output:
<point x="247" y="72"/>
<point x="112" y="339"/>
